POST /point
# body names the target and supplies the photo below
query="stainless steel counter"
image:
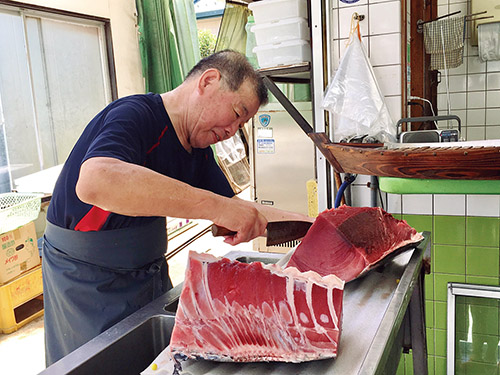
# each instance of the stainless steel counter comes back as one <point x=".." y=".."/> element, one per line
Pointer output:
<point x="383" y="312"/>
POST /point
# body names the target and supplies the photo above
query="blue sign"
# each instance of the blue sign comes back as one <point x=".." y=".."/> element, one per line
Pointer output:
<point x="349" y="1"/>
<point x="264" y="120"/>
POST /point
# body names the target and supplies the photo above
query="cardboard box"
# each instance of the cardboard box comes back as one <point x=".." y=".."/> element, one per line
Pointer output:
<point x="18" y="252"/>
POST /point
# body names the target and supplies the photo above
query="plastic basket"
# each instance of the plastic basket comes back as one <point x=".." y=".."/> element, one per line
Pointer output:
<point x="17" y="209"/>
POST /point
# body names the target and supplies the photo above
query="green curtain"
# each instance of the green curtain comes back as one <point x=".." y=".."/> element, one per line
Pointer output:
<point x="168" y="42"/>
<point x="232" y="32"/>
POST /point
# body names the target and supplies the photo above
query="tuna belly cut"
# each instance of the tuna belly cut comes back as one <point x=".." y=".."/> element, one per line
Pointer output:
<point x="348" y="241"/>
<point x="232" y="311"/>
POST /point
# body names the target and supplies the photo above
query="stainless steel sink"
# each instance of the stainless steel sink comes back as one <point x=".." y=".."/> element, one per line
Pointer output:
<point x="132" y="344"/>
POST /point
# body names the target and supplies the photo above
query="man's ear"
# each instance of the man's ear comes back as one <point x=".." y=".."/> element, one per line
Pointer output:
<point x="208" y="79"/>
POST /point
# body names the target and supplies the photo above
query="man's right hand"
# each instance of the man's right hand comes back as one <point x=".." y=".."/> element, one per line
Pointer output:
<point x="241" y="217"/>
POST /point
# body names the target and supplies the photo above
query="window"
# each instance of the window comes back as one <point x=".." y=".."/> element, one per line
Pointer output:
<point x="54" y="77"/>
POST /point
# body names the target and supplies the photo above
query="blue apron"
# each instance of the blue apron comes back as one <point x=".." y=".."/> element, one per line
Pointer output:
<point x="92" y="280"/>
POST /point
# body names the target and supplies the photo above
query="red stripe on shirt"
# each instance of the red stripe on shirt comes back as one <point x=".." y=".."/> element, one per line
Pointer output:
<point x="159" y="138"/>
<point x="93" y="220"/>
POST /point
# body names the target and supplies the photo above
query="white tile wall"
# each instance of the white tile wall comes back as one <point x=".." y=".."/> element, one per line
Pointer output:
<point x="449" y="204"/>
<point x="389" y="79"/>
<point x="482" y="86"/>
<point x="483" y="205"/>
<point x="345" y="16"/>
<point x="476" y="117"/>
<point x="474" y="93"/>
<point x="417" y="204"/>
<point x="385" y="18"/>
<point x="394" y="203"/>
<point x="493" y="98"/>
<point x="385" y="49"/>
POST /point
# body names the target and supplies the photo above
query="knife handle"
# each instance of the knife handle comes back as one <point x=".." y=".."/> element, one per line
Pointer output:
<point x="221" y="231"/>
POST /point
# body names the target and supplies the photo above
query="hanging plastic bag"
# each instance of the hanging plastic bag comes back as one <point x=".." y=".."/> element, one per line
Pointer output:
<point x="355" y="99"/>
<point x="233" y="162"/>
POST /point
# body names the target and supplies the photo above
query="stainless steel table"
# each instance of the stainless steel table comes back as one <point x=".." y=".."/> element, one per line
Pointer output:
<point x="383" y="314"/>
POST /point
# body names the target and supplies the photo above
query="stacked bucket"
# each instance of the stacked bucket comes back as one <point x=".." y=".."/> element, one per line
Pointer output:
<point x="281" y="32"/>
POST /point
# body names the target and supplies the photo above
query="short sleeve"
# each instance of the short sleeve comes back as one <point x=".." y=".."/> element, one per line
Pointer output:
<point x="124" y="135"/>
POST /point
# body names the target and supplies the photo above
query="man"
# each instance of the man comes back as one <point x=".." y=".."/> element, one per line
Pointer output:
<point x="142" y="158"/>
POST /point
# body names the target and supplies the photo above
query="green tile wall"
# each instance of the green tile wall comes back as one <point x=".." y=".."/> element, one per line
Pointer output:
<point x="467" y="250"/>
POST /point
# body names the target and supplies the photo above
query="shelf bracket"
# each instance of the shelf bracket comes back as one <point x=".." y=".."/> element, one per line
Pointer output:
<point x="289" y="107"/>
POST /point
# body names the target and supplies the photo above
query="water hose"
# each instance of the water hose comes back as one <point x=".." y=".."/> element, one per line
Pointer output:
<point x="349" y="179"/>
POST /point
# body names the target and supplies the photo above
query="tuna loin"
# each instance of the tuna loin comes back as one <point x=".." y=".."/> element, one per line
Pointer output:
<point x="348" y="241"/>
<point x="232" y="311"/>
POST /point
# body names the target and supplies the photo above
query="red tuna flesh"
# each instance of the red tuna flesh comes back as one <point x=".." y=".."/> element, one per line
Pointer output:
<point x="347" y="241"/>
<point x="232" y="311"/>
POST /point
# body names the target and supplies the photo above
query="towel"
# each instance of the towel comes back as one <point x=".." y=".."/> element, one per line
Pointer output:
<point x="488" y="36"/>
<point x="451" y="30"/>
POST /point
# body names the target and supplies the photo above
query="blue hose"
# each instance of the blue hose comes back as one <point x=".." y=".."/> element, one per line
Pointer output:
<point x="348" y="180"/>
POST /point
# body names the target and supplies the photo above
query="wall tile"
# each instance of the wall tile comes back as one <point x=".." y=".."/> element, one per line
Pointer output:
<point x="493" y="98"/>
<point x="483" y="231"/>
<point x="385" y="18"/>
<point x="449" y="204"/>
<point x="493" y="132"/>
<point x="459" y="6"/>
<point x="482" y="261"/>
<point x="440" y="315"/>
<point x="474" y="65"/>
<point x="476" y="82"/>
<point x="476" y="133"/>
<point x="449" y="230"/>
<point x="429" y="284"/>
<point x="476" y="99"/>
<point x="483" y="205"/>
<point x="493" y="81"/>
<point x="441" y="281"/>
<point x="388" y="79"/>
<point x="462" y="69"/>
<point x="429" y="316"/>
<point x="442" y="10"/>
<point x="420" y="204"/>
<point x="421" y="223"/>
<point x="440" y="365"/>
<point x="476" y="117"/>
<point x="440" y="342"/>
<point x="457" y="101"/>
<point x="493" y="116"/>
<point x="394" y="204"/>
<point x="385" y="49"/>
<point x="457" y="83"/>
<point x="481" y="280"/>
<point x="345" y="16"/>
<point x="394" y="106"/>
<point x="449" y="259"/>
<point x="493" y="66"/>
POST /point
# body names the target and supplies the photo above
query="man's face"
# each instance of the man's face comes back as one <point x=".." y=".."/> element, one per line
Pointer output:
<point x="223" y="114"/>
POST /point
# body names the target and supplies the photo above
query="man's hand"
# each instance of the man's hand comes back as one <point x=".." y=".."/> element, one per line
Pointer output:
<point x="241" y="217"/>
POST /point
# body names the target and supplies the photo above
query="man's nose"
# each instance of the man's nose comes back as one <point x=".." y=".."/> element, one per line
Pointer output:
<point x="233" y="128"/>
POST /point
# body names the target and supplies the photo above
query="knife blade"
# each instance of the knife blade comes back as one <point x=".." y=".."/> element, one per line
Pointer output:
<point x="277" y="232"/>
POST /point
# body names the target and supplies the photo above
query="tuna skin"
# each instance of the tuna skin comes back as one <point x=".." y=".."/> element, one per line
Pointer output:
<point x="232" y="311"/>
<point x="347" y="241"/>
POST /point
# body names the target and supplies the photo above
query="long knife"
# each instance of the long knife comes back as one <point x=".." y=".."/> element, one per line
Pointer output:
<point x="277" y="232"/>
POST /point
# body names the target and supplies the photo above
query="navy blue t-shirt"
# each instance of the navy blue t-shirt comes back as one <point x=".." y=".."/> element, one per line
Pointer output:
<point x="135" y="129"/>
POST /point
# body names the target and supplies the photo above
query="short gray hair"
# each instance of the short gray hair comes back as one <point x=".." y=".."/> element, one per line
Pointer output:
<point x="234" y="68"/>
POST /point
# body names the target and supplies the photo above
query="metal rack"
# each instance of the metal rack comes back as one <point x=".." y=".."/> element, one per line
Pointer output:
<point x="312" y="73"/>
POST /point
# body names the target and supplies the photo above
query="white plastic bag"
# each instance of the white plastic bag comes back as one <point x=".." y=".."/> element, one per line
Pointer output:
<point x="356" y="101"/>
<point x="233" y="162"/>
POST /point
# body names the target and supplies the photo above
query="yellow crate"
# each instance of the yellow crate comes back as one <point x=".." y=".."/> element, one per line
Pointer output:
<point x="21" y="300"/>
